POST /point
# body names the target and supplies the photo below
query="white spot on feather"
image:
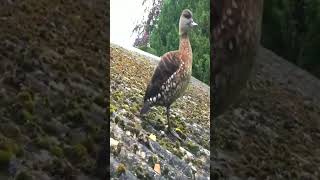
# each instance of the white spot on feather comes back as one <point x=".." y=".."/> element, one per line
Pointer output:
<point x="234" y="4"/>
<point x="230" y="45"/>
<point x="229" y="12"/>
<point x="230" y="21"/>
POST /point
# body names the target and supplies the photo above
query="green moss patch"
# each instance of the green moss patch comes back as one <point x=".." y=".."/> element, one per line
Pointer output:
<point x="121" y="169"/>
<point x="76" y="153"/>
<point x="57" y="151"/>
<point x="5" y="157"/>
<point x="192" y="147"/>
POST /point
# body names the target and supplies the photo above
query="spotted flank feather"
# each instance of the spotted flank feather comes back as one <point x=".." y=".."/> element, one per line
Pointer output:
<point x="165" y="81"/>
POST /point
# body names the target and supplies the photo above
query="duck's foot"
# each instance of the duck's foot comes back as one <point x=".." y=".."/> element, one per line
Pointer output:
<point x="175" y="135"/>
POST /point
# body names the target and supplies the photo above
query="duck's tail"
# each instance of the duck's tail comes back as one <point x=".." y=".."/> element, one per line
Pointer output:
<point x="145" y="108"/>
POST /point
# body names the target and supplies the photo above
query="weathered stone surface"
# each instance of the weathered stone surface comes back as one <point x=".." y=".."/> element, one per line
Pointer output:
<point x="273" y="133"/>
<point x="52" y="69"/>
<point x="140" y="143"/>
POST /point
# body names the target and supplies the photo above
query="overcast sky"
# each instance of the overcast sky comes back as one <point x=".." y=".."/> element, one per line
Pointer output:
<point x="124" y="15"/>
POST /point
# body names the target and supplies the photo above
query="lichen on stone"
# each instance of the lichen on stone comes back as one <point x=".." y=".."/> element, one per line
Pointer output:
<point x="130" y="73"/>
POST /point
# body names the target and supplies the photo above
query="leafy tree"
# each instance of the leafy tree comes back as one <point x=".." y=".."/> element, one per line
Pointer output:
<point x="291" y="28"/>
<point x="144" y="28"/>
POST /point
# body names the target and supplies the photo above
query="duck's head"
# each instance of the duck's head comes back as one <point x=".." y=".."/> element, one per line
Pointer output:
<point x="186" y="22"/>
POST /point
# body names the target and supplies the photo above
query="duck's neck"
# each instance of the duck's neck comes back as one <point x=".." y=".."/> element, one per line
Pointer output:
<point x="185" y="48"/>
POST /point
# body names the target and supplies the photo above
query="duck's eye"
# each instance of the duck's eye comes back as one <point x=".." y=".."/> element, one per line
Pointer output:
<point x="188" y="16"/>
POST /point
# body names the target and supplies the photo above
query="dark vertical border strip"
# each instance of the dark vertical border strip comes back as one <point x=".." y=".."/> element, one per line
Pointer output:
<point x="215" y="19"/>
<point x="103" y="157"/>
<point x="107" y="145"/>
<point x="211" y="85"/>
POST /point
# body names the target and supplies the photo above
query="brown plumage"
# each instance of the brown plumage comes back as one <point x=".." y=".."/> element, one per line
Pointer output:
<point x="173" y="72"/>
<point x="235" y="36"/>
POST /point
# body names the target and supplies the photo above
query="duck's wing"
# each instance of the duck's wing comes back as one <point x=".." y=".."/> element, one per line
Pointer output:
<point x="168" y="65"/>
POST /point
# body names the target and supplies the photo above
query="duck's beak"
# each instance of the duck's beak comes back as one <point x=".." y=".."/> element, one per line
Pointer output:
<point x="193" y="23"/>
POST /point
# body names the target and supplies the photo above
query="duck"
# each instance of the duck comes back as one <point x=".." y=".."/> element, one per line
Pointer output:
<point x="172" y="74"/>
<point x="236" y="35"/>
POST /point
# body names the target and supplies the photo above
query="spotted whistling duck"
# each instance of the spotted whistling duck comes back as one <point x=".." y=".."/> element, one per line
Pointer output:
<point x="173" y="72"/>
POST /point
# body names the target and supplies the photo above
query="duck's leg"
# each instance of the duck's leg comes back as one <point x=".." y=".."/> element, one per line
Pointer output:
<point x="168" y="118"/>
<point x="171" y="131"/>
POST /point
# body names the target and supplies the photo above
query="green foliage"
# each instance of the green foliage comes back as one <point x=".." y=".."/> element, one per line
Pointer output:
<point x="292" y="30"/>
<point x="165" y="35"/>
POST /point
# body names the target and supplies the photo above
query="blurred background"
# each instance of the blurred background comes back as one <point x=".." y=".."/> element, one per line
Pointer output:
<point x="152" y="26"/>
<point x="124" y="15"/>
<point x="291" y="29"/>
